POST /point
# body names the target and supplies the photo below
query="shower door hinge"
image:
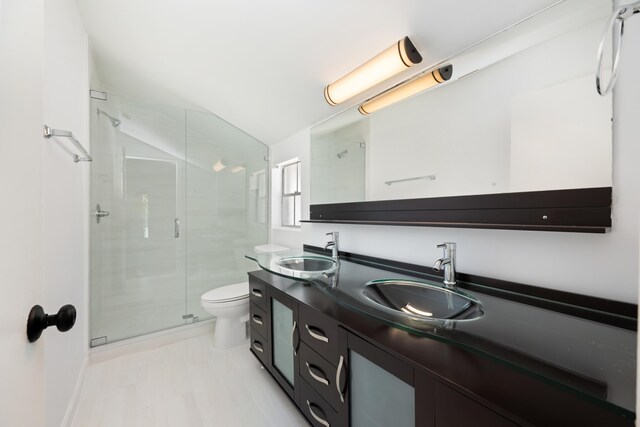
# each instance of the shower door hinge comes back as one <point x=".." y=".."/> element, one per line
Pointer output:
<point x="95" y="342"/>
<point x="190" y="318"/>
<point x="266" y="158"/>
<point x="98" y="94"/>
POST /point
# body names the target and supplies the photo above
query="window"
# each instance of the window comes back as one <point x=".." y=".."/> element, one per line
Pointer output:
<point x="291" y="202"/>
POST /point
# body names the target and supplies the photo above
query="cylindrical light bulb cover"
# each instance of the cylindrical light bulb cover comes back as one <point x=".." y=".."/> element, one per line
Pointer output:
<point x="393" y="60"/>
<point x="405" y="90"/>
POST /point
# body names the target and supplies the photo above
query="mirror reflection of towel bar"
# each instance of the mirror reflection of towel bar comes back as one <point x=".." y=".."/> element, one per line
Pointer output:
<point x="428" y="177"/>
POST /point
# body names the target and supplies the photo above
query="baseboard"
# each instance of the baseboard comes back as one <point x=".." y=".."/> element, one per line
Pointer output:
<point x="72" y="407"/>
<point x="150" y="341"/>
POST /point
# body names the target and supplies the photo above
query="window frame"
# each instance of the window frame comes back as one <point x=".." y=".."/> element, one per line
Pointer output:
<point x="297" y="216"/>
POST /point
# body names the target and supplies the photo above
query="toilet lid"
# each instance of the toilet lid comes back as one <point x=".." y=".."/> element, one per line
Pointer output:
<point x="228" y="293"/>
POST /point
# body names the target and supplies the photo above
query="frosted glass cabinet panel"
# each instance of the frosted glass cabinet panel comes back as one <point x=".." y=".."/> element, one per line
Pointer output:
<point x="378" y="398"/>
<point x="282" y="321"/>
<point x="378" y="389"/>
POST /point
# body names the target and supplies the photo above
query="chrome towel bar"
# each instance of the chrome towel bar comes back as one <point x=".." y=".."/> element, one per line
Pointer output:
<point x="427" y="177"/>
<point x="49" y="132"/>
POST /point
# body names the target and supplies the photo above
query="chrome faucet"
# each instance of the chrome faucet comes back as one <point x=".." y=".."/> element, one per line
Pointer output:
<point x="333" y="244"/>
<point x="448" y="261"/>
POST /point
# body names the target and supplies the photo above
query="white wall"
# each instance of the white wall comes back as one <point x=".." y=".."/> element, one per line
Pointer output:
<point x="21" y="370"/>
<point x="44" y="79"/>
<point x="65" y="80"/>
<point x="599" y="265"/>
<point x="298" y="145"/>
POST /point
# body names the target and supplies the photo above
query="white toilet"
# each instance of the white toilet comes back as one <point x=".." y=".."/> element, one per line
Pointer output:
<point x="230" y="305"/>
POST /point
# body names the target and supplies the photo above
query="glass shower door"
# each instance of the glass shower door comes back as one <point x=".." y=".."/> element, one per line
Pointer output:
<point x="137" y="258"/>
<point x="226" y="205"/>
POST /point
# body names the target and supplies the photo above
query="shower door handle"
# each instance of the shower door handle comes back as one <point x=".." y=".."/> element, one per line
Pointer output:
<point x="99" y="213"/>
<point x="176" y="228"/>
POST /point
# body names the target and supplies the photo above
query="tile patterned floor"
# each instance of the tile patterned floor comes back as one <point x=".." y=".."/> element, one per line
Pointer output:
<point x="188" y="383"/>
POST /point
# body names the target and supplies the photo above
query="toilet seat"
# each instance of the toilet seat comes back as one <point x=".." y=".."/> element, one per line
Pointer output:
<point x="226" y="294"/>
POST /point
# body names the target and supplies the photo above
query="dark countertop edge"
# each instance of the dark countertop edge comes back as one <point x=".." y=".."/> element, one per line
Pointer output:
<point x="408" y="349"/>
<point x="610" y="312"/>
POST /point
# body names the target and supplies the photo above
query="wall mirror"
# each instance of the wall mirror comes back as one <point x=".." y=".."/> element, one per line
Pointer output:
<point x="520" y="119"/>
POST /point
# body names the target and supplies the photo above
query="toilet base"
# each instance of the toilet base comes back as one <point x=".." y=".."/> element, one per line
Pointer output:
<point x="230" y="332"/>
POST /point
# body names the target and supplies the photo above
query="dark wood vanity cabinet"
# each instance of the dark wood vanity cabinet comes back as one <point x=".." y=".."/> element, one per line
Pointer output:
<point x="337" y="378"/>
<point x="453" y="409"/>
<point x="300" y="351"/>
<point x="381" y="389"/>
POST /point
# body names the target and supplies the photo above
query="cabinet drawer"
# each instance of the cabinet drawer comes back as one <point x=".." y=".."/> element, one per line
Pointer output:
<point x="259" y="320"/>
<point x="315" y="408"/>
<point x="258" y="293"/>
<point x="260" y="347"/>
<point x="319" y="332"/>
<point x="319" y="374"/>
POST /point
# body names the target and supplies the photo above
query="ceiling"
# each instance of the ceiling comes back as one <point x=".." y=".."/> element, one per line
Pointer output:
<point x="262" y="65"/>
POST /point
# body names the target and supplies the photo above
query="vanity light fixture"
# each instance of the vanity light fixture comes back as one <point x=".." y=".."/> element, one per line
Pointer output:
<point x="406" y="89"/>
<point x="237" y="169"/>
<point x="396" y="58"/>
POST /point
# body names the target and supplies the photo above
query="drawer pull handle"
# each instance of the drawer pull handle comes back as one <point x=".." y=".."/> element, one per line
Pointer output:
<point x="320" y="336"/>
<point x="258" y="346"/>
<point x="338" y="373"/>
<point x="322" y="380"/>
<point x="293" y="344"/>
<point x="257" y="319"/>
<point x="321" y="420"/>
<point x="257" y="292"/>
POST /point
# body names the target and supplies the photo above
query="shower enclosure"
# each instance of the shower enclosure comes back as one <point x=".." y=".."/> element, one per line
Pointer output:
<point x="177" y="198"/>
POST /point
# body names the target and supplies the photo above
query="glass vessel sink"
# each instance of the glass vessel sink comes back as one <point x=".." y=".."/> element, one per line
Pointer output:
<point x="307" y="263"/>
<point x="422" y="301"/>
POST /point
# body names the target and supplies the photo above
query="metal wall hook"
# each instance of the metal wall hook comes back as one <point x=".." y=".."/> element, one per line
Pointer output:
<point x="38" y="320"/>
<point x="617" y="19"/>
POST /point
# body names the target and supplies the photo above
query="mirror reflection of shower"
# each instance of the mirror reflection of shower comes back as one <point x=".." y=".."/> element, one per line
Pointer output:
<point x="114" y="122"/>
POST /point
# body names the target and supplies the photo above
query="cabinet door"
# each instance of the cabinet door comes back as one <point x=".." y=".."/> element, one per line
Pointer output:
<point x="378" y="388"/>
<point x="454" y="409"/>
<point x="285" y="340"/>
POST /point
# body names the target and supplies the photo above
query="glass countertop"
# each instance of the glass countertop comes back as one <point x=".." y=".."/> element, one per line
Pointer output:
<point x="593" y="359"/>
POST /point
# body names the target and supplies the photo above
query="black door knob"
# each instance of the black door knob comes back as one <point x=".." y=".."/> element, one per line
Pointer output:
<point x="38" y="320"/>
